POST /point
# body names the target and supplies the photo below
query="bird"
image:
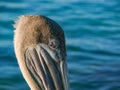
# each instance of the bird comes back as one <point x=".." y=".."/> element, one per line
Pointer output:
<point x="40" y="49"/>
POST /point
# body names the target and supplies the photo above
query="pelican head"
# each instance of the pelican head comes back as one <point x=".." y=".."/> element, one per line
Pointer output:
<point x="40" y="50"/>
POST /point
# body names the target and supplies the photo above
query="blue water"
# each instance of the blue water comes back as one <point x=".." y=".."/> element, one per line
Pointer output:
<point x="92" y="30"/>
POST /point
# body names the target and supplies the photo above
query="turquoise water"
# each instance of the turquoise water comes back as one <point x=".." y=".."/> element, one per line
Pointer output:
<point x="92" y="29"/>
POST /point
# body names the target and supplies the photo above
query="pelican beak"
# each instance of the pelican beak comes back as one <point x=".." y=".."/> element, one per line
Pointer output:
<point x="48" y="67"/>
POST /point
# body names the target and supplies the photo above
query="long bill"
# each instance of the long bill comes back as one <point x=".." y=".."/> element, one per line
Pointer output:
<point x="43" y="67"/>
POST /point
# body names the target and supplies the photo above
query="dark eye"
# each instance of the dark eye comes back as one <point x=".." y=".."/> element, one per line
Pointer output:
<point x="54" y="44"/>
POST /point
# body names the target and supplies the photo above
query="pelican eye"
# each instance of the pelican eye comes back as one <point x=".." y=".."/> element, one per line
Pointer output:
<point x="54" y="44"/>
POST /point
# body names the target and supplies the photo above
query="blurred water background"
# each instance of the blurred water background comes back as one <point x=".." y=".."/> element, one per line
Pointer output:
<point x="92" y="29"/>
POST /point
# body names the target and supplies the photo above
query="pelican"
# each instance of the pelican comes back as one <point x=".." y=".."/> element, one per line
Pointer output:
<point x="39" y="45"/>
